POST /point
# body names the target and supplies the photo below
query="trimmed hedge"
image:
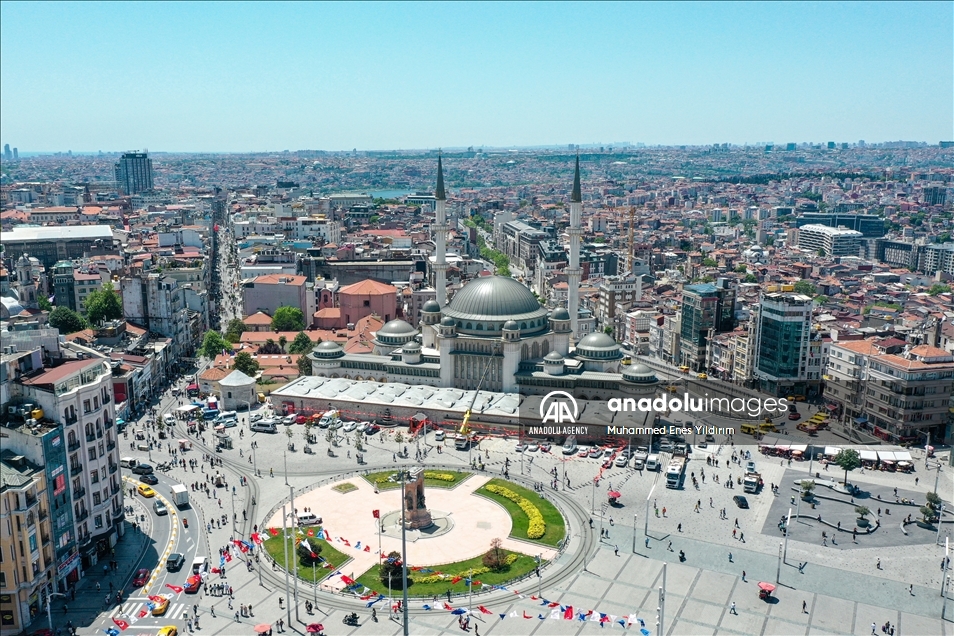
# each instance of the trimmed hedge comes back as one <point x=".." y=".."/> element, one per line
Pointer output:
<point x="538" y="526"/>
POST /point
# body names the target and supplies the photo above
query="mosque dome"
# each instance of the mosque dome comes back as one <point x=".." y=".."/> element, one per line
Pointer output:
<point x="553" y="356"/>
<point x="395" y="333"/>
<point x="431" y="307"/>
<point x="511" y="325"/>
<point x="328" y="349"/>
<point x="447" y="321"/>
<point x="639" y="374"/>
<point x="560" y="313"/>
<point x="598" y="346"/>
<point x="483" y="305"/>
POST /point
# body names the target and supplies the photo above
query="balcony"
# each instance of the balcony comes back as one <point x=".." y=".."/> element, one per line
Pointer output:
<point x="91" y="437"/>
<point x="30" y="501"/>
<point x="79" y="493"/>
<point x="110" y="445"/>
<point x="74" y="445"/>
<point x="108" y="423"/>
<point x="99" y="433"/>
<point x="84" y="513"/>
<point x="44" y="538"/>
<point x="113" y="468"/>
<point x="107" y="399"/>
<point x="113" y="489"/>
<point x="76" y="469"/>
<point x="43" y="514"/>
<point x="69" y="421"/>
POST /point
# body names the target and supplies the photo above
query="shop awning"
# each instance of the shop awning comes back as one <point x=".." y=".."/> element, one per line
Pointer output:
<point x="831" y="451"/>
<point x="868" y="456"/>
<point x="902" y="456"/>
<point x="861" y="420"/>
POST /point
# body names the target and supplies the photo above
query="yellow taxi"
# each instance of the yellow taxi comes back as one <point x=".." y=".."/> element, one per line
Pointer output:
<point x="671" y="388"/>
<point x="168" y="630"/>
<point x="146" y="491"/>
<point x="684" y="369"/>
<point x="161" y="607"/>
<point x="703" y="376"/>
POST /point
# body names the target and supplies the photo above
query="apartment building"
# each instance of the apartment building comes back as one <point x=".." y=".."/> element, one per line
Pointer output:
<point x="830" y="241"/>
<point x="268" y="293"/>
<point x="706" y="309"/>
<point x="157" y="303"/>
<point x="782" y="343"/>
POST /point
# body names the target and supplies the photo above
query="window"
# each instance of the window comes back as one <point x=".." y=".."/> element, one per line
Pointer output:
<point x="97" y="499"/>
<point x="86" y="406"/>
<point x="92" y="453"/>
<point x="93" y="476"/>
<point x="98" y="521"/>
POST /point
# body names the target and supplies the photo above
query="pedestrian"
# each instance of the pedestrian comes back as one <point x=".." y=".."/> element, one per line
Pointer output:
<point x="730" y="557"/>
<point x="679" y="527"/>
<point x="670" y="546"/>
<point x="236" y="617"/>
<point x="911" y="589"/>
<point x="874" y="628"/>
<point x="732" y="608"/>
<point x="616" y="550"/>
<point x="804" y="607"/>
<point x="878" y="565"/>
<point x="664" y="511"/>
<point x="212" y="611"/>
<point x="647" y="542"/>
<point x="743" y="576"/>
<point x="742" y="537"/>
<point x="733" y="532"/>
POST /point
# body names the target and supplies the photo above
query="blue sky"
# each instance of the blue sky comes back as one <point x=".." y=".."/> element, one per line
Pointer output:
<point x="255" y="77"/>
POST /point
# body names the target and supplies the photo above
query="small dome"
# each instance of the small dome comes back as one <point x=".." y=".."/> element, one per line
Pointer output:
<point x="553" y="356"/>
<point x="511" y="325"/>
<point x="397" y="327"/>
<point x="431" y="307"/>
<point x="639" y="374"/>
<point x="328" y="349"/>
<point x="560" y="313"/>
<point x="412" y="346"/>
<point x="599" y="346"/>
<point x="447" y="321"/>
<point x="328" y="345"/>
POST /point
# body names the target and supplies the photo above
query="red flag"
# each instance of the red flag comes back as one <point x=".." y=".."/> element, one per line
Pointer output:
<point x="367" y="548"/>
<point x="346" y="542"/>
<point x="121" y="624"/>
<point x="311" y="532"/>
<point x="256" y="538"/>
<point x="416" y="567"/>
<point x="568" y="613"/>
<point x="175" y="588"/>
<point x="478" y="583"/>
<point x="484" y="610"/>
<point x="447" y="607"/>
<point x="525" y="615"/>
<point x="228" y="557"/>
<point x="552" y="604"/>
<point x="142" y="613"/>
<point x="216" y="570"/>
<point x="157" y="599"/>
<point x="455" y="579"/>
<point x="243" y="548"/>
<point x="533" y="598"/>
<point x="347" y="580"/>
<point x="314" y="556"/>
<point x="376" y="514"/>
<point x="274" y="531"/>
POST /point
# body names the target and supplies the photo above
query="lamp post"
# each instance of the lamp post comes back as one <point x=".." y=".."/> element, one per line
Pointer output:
<point x="49" y="599"/>
<point x="778" y="569"/>
<point x="648" y="497"/>
<point x="634" y="532"/>
<point x="788" y="528"/>
<point x="404" y="550"/>
<point x="944" y="579"/>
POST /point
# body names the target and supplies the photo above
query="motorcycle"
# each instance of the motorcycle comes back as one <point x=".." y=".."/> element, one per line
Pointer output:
<point x="350" y="619"/>
<point x="185" y="522"/>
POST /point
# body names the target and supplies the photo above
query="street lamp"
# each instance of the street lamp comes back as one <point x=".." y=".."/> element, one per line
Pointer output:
<point x="49" y="599"/>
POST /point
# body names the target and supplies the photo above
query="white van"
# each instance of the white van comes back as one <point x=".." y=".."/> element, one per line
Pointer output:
<point x="227" y="415"/>
<point x="169" y="419"/>
<point x="128" y="462"/>
<point x="652" y="462"/>
<point x="264" y="426"/>
<point x="200" y="565"/>
<point x="308" y="519"/>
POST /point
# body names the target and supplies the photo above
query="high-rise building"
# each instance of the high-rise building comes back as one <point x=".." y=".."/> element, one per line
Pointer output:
<point x="7" y="154"/>
<point x="706" y="309"/>
<point x="935" y="195"/>
<point x="783" y="333"/>
<point x="869" y="225"/>
<point x="938" y="258"/>
<point x="134" y="172"/>
<point x="831" y="241"/>
<point x="16" y="154"/>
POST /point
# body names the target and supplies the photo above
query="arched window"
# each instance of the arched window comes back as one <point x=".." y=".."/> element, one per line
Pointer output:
<point x="545" y="349"/>
<point x="480" y="326"/>
<point x="523" y="325"/>
<point x="470" y="326"/>
<point x="524" y="352"/>
<point x="536" y="350"/>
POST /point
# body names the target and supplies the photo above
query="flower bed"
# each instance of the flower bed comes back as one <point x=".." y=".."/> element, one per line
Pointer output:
<point x="538" y="526"/>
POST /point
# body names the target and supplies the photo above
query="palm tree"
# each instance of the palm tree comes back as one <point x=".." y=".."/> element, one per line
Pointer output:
<point x="282" y="341"/>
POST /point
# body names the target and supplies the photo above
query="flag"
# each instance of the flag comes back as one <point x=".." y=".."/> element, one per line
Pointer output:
<point x="112" y="631"/>
<point x="379" y="598"/>
<point x="525" y="615"/>
<point x="604" y="618"/>
<point x="447" y="607"/>
<point x="274" y="531"/>
<point x="311" y="532"/>
<point x="307" y="545"/>
<point x="357" y="546"/>
<point x="216" y="570"/>
<point x="376" y="514"/>
<point x="175" y="588"/>
<point x="484" y="610"/>
<point x="347" y="580"/>
<point x="121" y="624"/>
<point x="427" y="607"/>
<point x="314" y="556"/>
<point x="243" y="547"/>
<point x="621" y="622"/>
<point x="257" y="538"/>
<point x="367" y="548"/>
<point x="157" y="599"/>
<point x="551" y="604"/>
<point x="346" y="542"/>
<point x="477" y="583"/>
<point x="568" y="613"/>
<point x="142" y="613"/>
<point x="503" y="616"/>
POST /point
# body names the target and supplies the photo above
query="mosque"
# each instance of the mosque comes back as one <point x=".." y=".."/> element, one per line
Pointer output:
<point x="493" y="334"/>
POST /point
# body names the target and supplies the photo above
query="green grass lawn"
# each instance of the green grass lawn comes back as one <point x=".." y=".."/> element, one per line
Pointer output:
<point x="344" y="488"/>
<point x="273" y="545"/>
<point x="430" y="482"/>
<point x="521" y="566"/>
<point x="556" y="529"/>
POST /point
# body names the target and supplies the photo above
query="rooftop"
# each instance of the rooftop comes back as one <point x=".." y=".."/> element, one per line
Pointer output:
<point x="21" y="234"/>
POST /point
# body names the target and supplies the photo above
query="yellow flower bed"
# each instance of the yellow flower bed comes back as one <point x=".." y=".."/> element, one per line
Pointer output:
<point x="434" y="578"/>
<point x="439" y="476"/>
<point x="538" y="526"/>
<point x="511" y="558"/>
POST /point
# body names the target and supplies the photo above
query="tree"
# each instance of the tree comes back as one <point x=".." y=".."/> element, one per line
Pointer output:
<point x="44" y="304"/>
<point x="67" y="320"/>
<point x="710" y="262"/>
<point x="288" y="319"/>
<point x="741" y="269"/>
<point x="213" y="344"/>
<point x="848" y="459"/>
<point x="233" y="333"/>
<point x="270" y="347"/>
<point x="821" y="252"/>
<point x="804" y="287"/>
<point x="938" y="288"/>
<point x="304" y="365"/>
<point x="821" y="300"/>
<point x="495" y="557"/>
<point x="245" y="363"/>
<point x="862" y="511"/>
<point x="301" y="344"/>
<point x="104" y="304"/>
<point x="391" y="571"/>
<point x="608" y="330"/>
<point x="282" y="341"/>
<point x="750" y="278"/>
<point x="808" y="486"/>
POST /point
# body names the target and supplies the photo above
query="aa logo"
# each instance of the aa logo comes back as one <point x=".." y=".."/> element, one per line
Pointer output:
<point x="558" y="407"/>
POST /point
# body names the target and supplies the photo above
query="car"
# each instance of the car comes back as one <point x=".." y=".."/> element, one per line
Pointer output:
<point x="702" y="444"/>
<point x="174" y="562"/>
<point x="372" y="429"/>
<point x="626" y="452"/>
<point x="639" y="464"/>
<point x="520" y="447"/>
<point x="710" y="437"/>
<point x="256" y="417"/>
<point x="583" y="451"/>
<point x="545" y="447"/>
<point x="622" y="460"/>
<point x="141" y="578"/>
<point x="794" y="415"/>
<point x="301" y="419"/>
<point x="160" y="606"/>
<point x="146" y="491"/>
<point x="160" y="508"/>
<point x="439" y="436"/>
<point x="666" y="446"/>
<point x="328" y="418"/>
<point x="608" y="463"/>
<point x="750" y="466"/>
<point x="349" y="426"/>
<point x="741" y="501"/>
<point x="569" y="448"/>
<point x="335" y="425"/>
<point x="608" y="452"/>
<point x="152" y="480"/>
<point x="289" y="419"/>
<point x="168" y="630"/>
<point x="533" y="448"/>
<point x="702" y="376"/>
<point x="596" y="451"/>
<point x="192" y="584"/>
<point x="142" y="469"/>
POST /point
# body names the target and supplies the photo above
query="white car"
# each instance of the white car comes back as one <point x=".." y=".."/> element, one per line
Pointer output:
<point x="439" y="436"/>
<point x="583" y="451"/>
<point x="349" y="426"/>
<point x="289" y="419"/>
<point x="621" y="461"/>
<point x="520" y="448"/>
<point x="256" y="417"/>
<point x="363" y="426"/>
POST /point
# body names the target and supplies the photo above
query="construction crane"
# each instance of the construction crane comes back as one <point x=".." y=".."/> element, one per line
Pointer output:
<point x="464" y="437"/>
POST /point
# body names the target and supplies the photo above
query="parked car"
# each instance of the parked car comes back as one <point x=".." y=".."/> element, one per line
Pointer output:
<point x="532" y="448"/>
<point x="622" y="460"/>
<point x="349" y="426"/>
<point x="289" y="419"/>
<point x="545" y="447"/>
<point x="372" y="429"/>
<point x="141" y="578"/>
<point x="439" y="436"/>
<point x="596" y="451"/>
<point x="741" y="501"/>
<point x="256" y="417"/>
<point x="608" y="463"/>
<point x="520" y="447"/>
<point x="175" y="562"/>
<point x="168" y="630"/>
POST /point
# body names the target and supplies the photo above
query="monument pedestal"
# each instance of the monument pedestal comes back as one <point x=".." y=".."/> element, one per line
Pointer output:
<point x="416" y="514"/>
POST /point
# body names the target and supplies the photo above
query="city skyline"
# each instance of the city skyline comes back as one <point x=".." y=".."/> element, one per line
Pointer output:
<point x="426" y="76"/>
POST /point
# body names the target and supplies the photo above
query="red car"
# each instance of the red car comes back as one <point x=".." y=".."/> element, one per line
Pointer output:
<point x="193" y="583"/>
<point x="301" y="419"/>
<point x="142" y="577"/>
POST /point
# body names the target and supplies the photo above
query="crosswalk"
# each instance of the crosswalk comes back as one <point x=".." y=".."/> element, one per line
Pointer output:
<point x="131" y="609"/>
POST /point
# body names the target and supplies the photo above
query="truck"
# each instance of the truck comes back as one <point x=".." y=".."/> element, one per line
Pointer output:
<point x="680" y="449"/>
<point x="180" y="495"/>
<point x="675" y="472"/>
<point x="751" y="482"/>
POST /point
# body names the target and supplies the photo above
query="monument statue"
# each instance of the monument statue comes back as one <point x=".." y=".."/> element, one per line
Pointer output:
<point x="416" y="515"/>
